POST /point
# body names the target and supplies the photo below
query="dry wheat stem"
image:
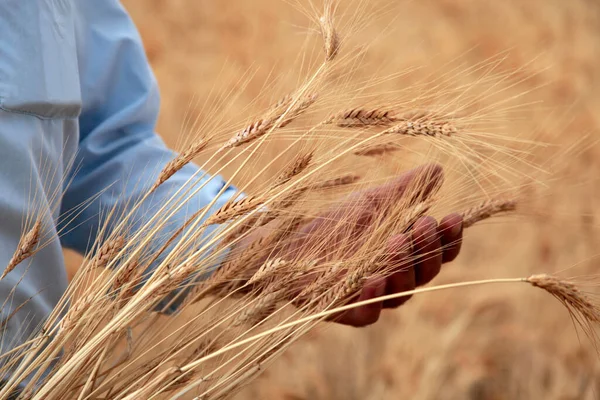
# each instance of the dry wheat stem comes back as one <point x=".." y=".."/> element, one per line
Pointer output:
<point x="91" y="381"/>
<point x="333" y="311"/>
<point x="562" y="289"/>
<point x="25" y="248"/>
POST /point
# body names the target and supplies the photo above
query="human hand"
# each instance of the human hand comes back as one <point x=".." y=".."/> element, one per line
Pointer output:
<point x="415" y="257"/>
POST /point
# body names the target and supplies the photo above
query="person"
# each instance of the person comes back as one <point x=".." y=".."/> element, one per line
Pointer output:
<point x="75" y="84"/>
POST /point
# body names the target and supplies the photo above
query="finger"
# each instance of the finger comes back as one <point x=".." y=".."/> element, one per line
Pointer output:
<point x="403" y="277"/>
<point x="427" y="250"/>
<point x="367" y="314"/>
<point x="399" y="282"/>
<point x="451" y="231"/>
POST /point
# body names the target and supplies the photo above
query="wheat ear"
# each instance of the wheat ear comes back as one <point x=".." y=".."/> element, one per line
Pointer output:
<point x="568" y="294"/>
<point x="377" y="149"/>
<point x="486" y="210"/>
<point x="179" y="162"/>
<point x="233" y="209"/>
<point x="423" y="127"/>
<point x="277" y="117"/>
<point x="361" y="118"/>
<point x="300" y="164"/>
<point x="331" y="38"/>
<point x="25" y="248"/>
<point x="107" y="252"/>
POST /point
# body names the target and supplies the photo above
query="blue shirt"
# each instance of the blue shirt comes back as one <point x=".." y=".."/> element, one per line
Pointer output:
<point x="75" y="85"/>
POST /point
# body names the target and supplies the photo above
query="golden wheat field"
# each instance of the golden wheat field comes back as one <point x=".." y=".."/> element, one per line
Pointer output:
<point x="535" y="66"/>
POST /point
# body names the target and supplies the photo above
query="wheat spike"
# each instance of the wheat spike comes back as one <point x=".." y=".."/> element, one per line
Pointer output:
<point x="233" y="209"/>
<point x="357" y="274"/>
<point x="361" y="118"/>
<point x="568" y="294"/>
<point x="296" y="168"/>
<point x="108" y="251"/>
<point x="321" y="281"/>
<point x="268" y="269"/>
<point x="282" y="103"/>
<point x="25" y="248"/>
<point x="377" y="149"/>
<point x="179" y="162"/>
<point x="486" y="210"/>
<point x="276" y="118"/>
<point x="260" y="309"/>
<point x="343" y="180"/>
<point x="422" y="127"/>
<point x="331" y="39"/>
<point x="75" y="311"/>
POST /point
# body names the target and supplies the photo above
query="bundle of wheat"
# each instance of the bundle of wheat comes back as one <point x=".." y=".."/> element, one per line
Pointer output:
<point x="268" y="290"/>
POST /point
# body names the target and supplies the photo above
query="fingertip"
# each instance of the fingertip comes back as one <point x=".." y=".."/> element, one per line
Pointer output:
<point x="427" y="250"/>
<point x="451" y="232"/>
<point x="451" y="225"/>
<point x="399" y="282"/>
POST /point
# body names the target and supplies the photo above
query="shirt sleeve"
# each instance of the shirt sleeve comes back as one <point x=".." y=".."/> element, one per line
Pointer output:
<point x="119" y="155"/>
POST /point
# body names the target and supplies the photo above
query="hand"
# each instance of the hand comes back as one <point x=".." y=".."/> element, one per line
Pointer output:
<point x="417" y="256"/>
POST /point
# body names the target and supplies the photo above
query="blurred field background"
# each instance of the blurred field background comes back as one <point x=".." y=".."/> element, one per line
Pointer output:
<point x="507" y="342"/>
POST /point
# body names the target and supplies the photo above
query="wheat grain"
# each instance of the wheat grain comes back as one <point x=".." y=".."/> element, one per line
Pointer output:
<point x="344" y="180"/>
<point x="268" y="269"/>
<point x="257" y="311"/>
